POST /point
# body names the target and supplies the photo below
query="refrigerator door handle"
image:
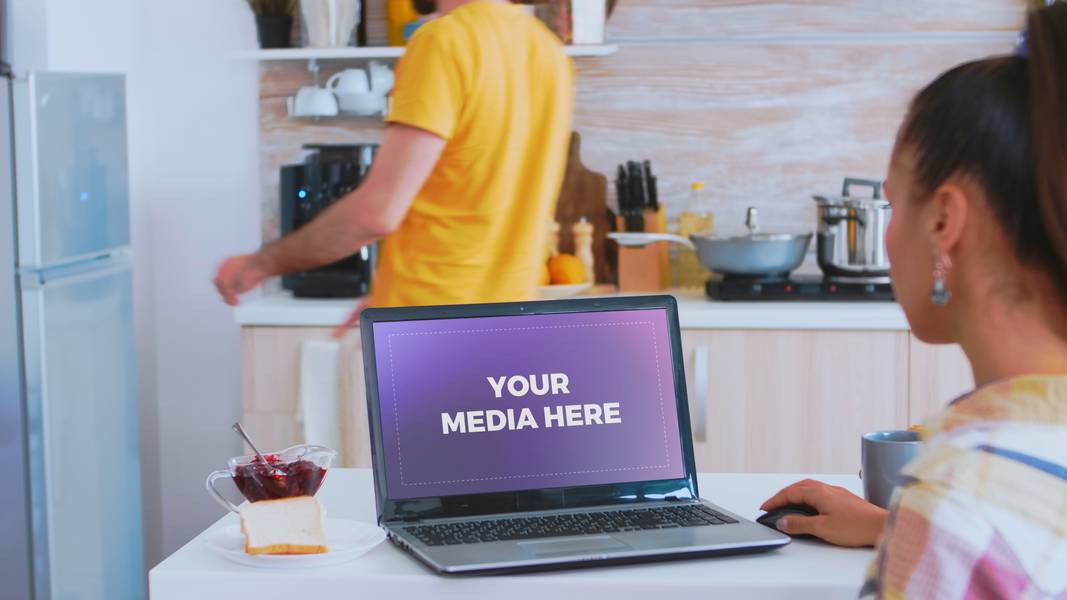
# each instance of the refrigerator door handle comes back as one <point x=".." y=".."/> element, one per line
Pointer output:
<point x="71" y="273"/>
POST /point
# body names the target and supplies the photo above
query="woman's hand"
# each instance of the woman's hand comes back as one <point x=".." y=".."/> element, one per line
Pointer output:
<point x="844" y="518"/>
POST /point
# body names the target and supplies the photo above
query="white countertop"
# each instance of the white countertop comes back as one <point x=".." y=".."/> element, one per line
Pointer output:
<point x="695" y="311"/>
<point x="803" y="569"/>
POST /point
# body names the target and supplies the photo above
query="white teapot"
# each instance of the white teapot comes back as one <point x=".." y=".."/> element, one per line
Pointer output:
<point x="349" y="81"/>
<point x="381" y="78"/>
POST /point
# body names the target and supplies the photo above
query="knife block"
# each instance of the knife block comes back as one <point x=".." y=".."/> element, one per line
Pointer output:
<point x="645" y="269"/>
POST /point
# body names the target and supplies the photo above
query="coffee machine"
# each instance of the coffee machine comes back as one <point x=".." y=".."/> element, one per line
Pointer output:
<point x="327" y="174"/>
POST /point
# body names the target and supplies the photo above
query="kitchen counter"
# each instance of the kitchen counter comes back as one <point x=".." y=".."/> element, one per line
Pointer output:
<point x="694" y="309"/>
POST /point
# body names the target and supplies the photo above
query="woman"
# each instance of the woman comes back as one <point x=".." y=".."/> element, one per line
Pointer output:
<point x="978" y="246"/>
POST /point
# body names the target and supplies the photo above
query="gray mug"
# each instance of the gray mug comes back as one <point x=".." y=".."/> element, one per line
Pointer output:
<point x="884" y="455"/>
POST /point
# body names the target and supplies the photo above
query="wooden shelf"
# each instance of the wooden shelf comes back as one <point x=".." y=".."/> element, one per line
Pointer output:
<point x="368" y="52"/>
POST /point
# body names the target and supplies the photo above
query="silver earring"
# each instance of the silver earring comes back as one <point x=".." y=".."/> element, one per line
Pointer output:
<point x="940" y="294"/>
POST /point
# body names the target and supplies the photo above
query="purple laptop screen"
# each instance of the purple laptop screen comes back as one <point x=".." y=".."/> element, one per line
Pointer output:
<point x="495" y="404"/>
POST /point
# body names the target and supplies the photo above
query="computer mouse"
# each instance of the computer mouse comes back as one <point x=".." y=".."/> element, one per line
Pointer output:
<point x="770" y="519"/>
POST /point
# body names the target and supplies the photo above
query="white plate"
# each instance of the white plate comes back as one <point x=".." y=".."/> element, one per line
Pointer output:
<point x="347" y="540"/>
<point x="555" y="292"/>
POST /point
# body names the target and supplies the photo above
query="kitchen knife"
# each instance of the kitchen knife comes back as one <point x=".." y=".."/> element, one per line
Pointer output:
<point x="620" y="191"/>
<point x="651" y="193"/>
<point x="637" y="197"/>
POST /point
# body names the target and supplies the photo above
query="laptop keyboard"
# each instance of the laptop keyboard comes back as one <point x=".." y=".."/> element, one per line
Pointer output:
<point x="523" y="528"/>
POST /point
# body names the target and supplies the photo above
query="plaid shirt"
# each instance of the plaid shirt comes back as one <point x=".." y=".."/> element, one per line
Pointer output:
<point x="985" y="513"/>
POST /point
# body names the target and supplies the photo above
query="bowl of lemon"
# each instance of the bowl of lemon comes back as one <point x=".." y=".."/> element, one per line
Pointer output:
<point x="563" y="276"/>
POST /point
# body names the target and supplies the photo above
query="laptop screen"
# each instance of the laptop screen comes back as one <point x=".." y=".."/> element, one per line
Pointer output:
<point x="510" y="403"/>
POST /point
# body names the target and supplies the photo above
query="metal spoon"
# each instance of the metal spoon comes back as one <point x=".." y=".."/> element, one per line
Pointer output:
<point x="241" y="431"/>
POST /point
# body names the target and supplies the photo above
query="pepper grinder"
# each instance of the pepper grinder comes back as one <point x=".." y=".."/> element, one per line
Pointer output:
<point x="583" y="246"/>
<point x="552" y="243"/>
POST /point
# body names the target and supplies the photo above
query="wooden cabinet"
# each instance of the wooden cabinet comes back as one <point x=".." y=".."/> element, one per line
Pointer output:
<point x="792" y="401"/>
<point x="270" y="365"/>
<point x="938" y="374"/>
<point x="759" y="400"/>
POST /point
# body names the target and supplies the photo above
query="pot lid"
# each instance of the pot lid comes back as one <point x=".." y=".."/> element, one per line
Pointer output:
<point x="754" y="234"/>
<point x="850" y="202"/>
<point x="846" y="198"/>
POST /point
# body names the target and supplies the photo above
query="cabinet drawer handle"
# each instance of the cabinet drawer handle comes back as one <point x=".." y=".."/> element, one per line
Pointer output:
<point x="700" y="403"/>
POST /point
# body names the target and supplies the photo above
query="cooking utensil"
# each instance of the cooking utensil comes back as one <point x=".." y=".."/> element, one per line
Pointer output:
<point x="584" y="194"/>
<point x="649" y="180"/>
<point x="241" y="431"/>
<point x="851" y="232"/>
<point x="273" y="470"/>
<point x="627" y="186"/>
<point x="632" y="239"/>
<point x="636" y="194"/>
<point x="752" y="255"/>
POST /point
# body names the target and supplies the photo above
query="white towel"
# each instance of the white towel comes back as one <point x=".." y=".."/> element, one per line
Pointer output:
<point x="346" y="17"/>
<point x="318" y="408"/>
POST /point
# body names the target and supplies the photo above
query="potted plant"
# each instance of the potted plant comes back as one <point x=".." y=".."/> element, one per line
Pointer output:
<point x="274" y="22"/>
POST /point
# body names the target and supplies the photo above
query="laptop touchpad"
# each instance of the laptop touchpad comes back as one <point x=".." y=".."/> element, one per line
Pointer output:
<point x="593" y="543"/>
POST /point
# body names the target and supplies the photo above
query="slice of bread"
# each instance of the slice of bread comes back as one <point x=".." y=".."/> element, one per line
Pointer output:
<point x="286" y="526"/>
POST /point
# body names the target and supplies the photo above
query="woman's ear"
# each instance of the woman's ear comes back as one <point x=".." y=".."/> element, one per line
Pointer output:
<point x="947" y="214"/>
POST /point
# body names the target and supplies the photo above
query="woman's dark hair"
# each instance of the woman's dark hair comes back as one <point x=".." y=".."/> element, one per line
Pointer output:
<point x="1003" y="121"/>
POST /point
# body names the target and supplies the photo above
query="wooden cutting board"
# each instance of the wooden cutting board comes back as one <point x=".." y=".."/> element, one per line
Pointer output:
<point x="584" y="194"/>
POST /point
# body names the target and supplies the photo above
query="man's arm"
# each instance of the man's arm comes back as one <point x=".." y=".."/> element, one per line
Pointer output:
<point x="375" y="209"/>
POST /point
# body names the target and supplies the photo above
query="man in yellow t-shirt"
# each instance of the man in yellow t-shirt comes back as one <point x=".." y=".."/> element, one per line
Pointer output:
<point x="466" y="180"/>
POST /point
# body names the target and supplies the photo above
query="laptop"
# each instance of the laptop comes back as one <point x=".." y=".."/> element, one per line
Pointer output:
<point x="539" y="435"/>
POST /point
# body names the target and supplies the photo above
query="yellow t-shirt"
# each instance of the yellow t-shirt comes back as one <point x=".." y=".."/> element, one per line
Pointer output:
<point x="496" y="85"/>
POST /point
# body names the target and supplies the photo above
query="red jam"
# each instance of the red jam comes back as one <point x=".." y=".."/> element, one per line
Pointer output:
<point x="272" y="480"/>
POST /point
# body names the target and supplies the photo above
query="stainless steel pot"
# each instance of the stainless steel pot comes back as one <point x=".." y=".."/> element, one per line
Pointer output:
<point x="851" y="233"/>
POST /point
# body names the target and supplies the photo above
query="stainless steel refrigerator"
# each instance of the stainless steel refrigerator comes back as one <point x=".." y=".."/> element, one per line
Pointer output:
<point x="70" y="498"/>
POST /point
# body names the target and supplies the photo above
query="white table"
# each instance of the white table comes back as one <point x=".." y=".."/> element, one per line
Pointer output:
<point x="804" y="569"/>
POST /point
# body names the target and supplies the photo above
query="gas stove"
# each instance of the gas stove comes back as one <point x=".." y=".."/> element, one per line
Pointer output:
<point x="800" y="288"/>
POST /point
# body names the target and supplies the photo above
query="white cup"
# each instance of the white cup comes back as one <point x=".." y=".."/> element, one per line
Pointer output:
<point x="313" y="101"/>
<point x="349" y="81"/>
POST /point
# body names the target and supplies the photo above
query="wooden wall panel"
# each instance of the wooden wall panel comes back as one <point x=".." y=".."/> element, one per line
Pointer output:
<point x="376" y="23"/>
<point x="763" y="124"/>
<point x="644" y="19"/>
<point x="765" y="101"/>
